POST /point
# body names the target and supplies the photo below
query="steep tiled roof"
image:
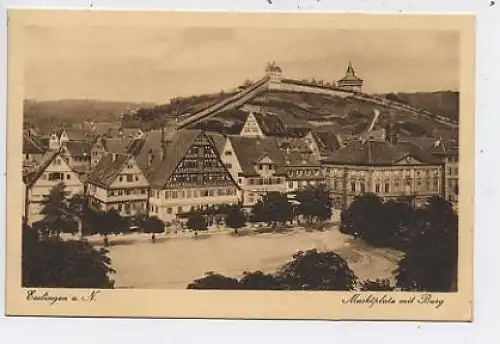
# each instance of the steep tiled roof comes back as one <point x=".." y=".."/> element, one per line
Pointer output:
<point x="249" y="150"/>
<point x="107" y="169"/>
<point x="423" y="142"/>
<point x="32" y="146"/>
<point x="31" y="177"/>
<point x="444" y="148"/>
<point x="378" y="153"/>
<point x="116" y="145"/>
<point x="270" y="124"/>
<point x="74" y="134"/>
<point x="175" y="150"/>
<point x="327" y="141"/>
<point x="78" y="148"/>
<point x="219" y="141"/>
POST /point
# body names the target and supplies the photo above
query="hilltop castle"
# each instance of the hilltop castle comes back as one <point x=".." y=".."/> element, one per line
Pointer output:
<point x="350" y="82"/>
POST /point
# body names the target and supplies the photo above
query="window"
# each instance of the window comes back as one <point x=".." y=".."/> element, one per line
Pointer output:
<point x="143" y="191"/>
<point x="204" y="193"/>
<point x="174" y="194"/>
<point x="260" y="167"/>
<point x="181" y="194"/>
<point x="362" y="185"/>
<point x="377" y="188"/>
<point x="136" y="178"/>
<point x="229" y="165"/>
<point x="112" y="193"/>
<point x="169" y="210"/>
<point x="166" y="194"/>
<point x="179" y="210"/>
<point x="353" y="186"/>
<point x="228" y="152"/>
<point x="239" y="181"/>
<point x="196" y="193"/>
<point x="188" y="193"/>
<point x="130" y="178"/>
<point x="386" y="187"/>
<point x="290" y="185"/>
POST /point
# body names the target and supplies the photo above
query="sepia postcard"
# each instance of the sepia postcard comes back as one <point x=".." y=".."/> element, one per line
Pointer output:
<point x="240" y="165"/>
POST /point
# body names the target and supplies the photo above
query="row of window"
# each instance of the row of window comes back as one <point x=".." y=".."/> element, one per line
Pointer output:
<point x="54" y="176"/>
<point x="309" y="173"/>
<point x="129" y="178"/>
<point x="301" y="183"/>
<point x="265" y="181"/>
<point x="179" y="194"/>
<point x="387" y="187"/>
<point x="127" y="192"/>
<point x="179" y="210"/>
<point x="129" y="208"/>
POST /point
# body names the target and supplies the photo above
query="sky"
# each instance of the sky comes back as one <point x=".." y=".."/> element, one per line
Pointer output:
<point x="155" y="64"/>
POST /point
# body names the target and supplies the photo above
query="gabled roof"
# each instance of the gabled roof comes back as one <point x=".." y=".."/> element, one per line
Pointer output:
<point x="116" y="145"/>
<point x="31" y="177"/>
<point x="78" y="148"/>
<point x="219" y="141"/>
<point x="270" y="124"/>
<point x="175" y="150"/>
<point x="107" y="169"/>
<point x="74" y="134"/>
<point x="32" y="146"/>
<point x="250" y="149"/>
<point x="327" y="141"/>
<point x="378" y="153"/>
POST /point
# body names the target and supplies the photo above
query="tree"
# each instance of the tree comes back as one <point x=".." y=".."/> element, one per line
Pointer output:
<point x="51" y="262"/>
<point x="212" y="280"/>
<point x="107" y="223"/>
<point x="430" y="260"/>
<point x="313" y="270"/>
<point x="273" y="208"/>
<point x="314" y="202"/>
<point x="258" y="280"/>
<point x="58" y="215"/>
<point x="154" y="226"/>
<point x="363" y="218"/>
<point x="197" y="222"/>
<point x="377" y="285"/>
<point x="235" y="218"/>
<point x="396" y="217"/>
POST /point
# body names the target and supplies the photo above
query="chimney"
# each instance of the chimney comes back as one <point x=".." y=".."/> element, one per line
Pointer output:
<point x="394" y="139"/>
<point x="150" y="157"/>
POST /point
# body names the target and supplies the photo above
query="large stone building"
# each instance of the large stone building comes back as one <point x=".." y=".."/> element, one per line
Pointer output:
<point x="389" y="169"/>
<point x="448" y="153"/>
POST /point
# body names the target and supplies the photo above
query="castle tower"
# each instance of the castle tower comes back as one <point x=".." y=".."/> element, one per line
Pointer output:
<point x="350" y="81"/>
<point x="274" y="72"/>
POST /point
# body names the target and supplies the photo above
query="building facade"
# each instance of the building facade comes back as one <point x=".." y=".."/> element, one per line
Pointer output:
<point x="117" y="182"/>
<point x="390" y="170"/>
<point x="255" y="163"/>
<point x="51" y="171"/>
<point x="190" y="176"/>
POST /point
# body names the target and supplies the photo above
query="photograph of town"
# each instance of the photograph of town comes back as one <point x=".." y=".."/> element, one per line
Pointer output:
<point x="240" y="158"/>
